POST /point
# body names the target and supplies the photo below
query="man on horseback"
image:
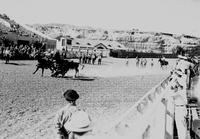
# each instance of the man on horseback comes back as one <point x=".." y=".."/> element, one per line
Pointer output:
<point x="64" y="65"/>
<point x="43" y="62"/>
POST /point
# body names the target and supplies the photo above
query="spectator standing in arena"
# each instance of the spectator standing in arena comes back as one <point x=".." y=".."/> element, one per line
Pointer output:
<point x="89" y="58"/>
<point x="99" y="58"/>
<point x="152" y="62"/>
<point x="137" y="61"/>
<point x="127" y="61"/>
<point x="7" y="55"/>
<point x="93" y="57"/>
<point x="145" y="62"/>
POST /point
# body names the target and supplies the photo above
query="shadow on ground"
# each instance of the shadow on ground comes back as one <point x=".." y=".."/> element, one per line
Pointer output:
<point x="16" y="64"/>
<point x="82" y="78"/>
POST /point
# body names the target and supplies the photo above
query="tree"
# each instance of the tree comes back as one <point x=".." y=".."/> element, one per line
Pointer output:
<point x="194" y="51"/>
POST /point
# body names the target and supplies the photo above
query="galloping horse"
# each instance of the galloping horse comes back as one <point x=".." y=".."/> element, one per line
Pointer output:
<point x="163" y="62"/>
<point x="44" y="63"/>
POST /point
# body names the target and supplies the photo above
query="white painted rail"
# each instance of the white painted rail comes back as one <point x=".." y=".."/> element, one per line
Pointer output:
<point x="150" y="118"/>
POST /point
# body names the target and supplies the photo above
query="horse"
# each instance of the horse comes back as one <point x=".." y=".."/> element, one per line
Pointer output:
<point x="65" y="67"/>
<point x="44" y="63"/>
<point x="163" y="62"/>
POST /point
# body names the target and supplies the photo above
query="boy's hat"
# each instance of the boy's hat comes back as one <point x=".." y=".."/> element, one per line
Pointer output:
<point x="71" y="95"/>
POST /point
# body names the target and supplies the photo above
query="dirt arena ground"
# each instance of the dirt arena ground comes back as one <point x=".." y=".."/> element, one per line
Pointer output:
<point x="29" y="102"/>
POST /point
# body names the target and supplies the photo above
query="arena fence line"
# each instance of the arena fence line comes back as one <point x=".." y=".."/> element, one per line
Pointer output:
<point x="134" y="54"/>
<point x="152" y="117"/>
<point x="146" y="118"/>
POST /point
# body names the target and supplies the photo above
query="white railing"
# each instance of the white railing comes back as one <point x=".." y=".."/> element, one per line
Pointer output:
<point x="146" y="117"/>
<point x="152" y="117"/>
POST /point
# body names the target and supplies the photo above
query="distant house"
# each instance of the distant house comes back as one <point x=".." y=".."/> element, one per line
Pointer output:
<point x="106" y="46"/>
<point x="63" y="42"/>
<point x="102" y="48"/>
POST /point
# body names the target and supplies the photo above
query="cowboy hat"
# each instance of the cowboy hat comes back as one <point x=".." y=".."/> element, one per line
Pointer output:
<point x="71" y="95"/>
<point x="79" y="122"/>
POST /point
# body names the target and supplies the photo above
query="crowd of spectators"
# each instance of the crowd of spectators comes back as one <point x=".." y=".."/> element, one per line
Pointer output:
<point x="19" y="52"/>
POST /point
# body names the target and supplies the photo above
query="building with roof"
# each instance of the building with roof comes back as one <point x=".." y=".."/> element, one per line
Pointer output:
<point x="87" y="45"/>
<point x="63" y="42"/>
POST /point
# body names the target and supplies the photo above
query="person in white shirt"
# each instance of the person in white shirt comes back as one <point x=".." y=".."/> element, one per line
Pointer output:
<point x="7" y="55"/>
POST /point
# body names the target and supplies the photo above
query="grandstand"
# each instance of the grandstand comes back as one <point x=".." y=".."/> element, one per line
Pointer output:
<point x="19" y="33"/>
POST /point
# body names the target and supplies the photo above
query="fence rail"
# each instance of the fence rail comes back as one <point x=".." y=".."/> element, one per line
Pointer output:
<point x="152" y="117"/>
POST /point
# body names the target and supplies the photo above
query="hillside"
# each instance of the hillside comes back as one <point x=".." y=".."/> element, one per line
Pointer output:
<point x="126" y="37"/>
<point x="132" y="38"/>
<point x="14" y="31"/>
<point x="56" y="29"/>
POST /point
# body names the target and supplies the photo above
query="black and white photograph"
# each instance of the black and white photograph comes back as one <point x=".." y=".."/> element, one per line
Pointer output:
<point x="99" y="69"/>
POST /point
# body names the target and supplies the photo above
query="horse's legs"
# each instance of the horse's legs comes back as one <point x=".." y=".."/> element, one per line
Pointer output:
<point x="6" y="59"/>
<point x="76" y="71"/>
<point x="83" y="66"/>
<point x="42" y="71"/>
<point x="52" y="70"/>
<point x="64" y="72"/>
<point x="55" y="74"/>
<point x="36" y="70"/>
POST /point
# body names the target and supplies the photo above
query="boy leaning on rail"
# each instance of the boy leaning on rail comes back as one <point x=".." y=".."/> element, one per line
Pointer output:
<point x="72" y="123"/>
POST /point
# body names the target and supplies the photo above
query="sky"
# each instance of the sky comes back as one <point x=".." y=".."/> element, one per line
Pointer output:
<point x="171" y="16"/>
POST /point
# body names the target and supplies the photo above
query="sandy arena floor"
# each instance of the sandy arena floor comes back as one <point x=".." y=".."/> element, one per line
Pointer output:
<point x="29" y="102"/>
